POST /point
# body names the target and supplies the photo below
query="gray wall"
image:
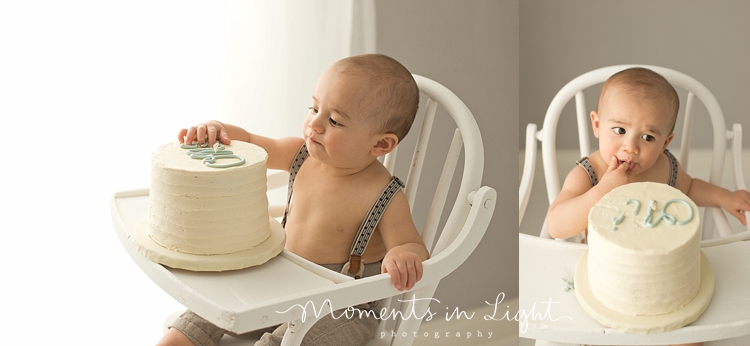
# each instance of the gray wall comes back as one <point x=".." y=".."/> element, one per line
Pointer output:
<point x="471" y="47"/>
<point x="708" y="40"/>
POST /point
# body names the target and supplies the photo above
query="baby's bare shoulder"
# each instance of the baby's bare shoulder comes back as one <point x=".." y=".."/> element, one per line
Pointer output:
<point x="375" y="177"/>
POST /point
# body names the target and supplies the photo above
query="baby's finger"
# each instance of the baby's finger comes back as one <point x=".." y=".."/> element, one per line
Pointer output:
<point x="190" y="137"/>
<point x="211" y="136"/>
<point x="623" y="167"/>
<point x="200" y="134"/>
<point x="612" y="164"/>
<point x="181" y="135"/>
<point x="392" y="271"/>
<point x="403" y="273"/>
<point x="739" y="214"/>
<point x="411" y="275"/>
<point x="742" y="217"/>
<point x="224" y="139"/>
<point x="396" y="279"/>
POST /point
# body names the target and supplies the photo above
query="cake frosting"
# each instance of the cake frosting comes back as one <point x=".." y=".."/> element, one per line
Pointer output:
<point x="198" y="208"/>
<point x="644" y="249"/>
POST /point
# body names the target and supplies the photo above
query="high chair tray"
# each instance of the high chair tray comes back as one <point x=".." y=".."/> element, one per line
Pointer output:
<point x="251" y="298"/>
<point x="543" y="264"/>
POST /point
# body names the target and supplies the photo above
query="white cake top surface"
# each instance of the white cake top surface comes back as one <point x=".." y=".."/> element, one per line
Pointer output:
<point x="613" y="218"/>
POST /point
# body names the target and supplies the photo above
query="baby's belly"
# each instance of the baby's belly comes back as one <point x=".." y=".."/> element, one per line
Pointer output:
<point x="328" y="246"/>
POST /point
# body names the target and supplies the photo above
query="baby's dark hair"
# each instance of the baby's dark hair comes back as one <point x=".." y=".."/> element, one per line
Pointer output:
<point x="395" y="97"/>
<point x="646" y="85"/>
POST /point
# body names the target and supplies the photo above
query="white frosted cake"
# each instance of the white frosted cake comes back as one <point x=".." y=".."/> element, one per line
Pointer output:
<point x="644" y="249"/>
<point x="644" y="271"/>
<point x="207" y="217"/>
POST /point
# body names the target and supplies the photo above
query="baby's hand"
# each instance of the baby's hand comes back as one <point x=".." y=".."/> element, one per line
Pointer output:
<point x="616" y="175"/>
<point x="209" y="132"/>
<point x="736" y="203"/>
<point x="404" y="267"/>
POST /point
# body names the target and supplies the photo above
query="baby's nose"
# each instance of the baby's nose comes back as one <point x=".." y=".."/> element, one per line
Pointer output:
<point x="315" y="124"/>
<point x="631" y="146"/>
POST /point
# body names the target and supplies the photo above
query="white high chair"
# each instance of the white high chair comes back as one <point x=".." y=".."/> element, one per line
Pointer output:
<point x="263" y="296"/>
<point x="727" y="316"/>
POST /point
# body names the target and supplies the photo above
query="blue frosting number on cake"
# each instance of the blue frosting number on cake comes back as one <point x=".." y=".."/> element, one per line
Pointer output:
<point x="210" y="155"/>
<point x="652" y="221"/>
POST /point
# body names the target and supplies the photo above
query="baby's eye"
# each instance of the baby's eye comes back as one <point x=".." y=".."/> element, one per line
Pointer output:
<point x="619" y="130"/>
<point x="334" y="122"/>
<point x="313" y="110"/>
<point x="648" y="138"/>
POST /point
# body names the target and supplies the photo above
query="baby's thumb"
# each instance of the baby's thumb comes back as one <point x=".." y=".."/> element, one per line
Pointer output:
<point x="740" y="215"/>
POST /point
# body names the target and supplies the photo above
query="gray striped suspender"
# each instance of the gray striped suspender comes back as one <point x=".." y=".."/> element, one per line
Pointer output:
<point x="302" y="154"/>
<point x="672" y="168"/>
<point x="355" y="266"/>
<point x="586" y="165"/>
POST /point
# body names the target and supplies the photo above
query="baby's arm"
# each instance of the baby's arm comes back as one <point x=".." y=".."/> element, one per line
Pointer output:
<point x="406" y="250"/>
<point x="568" y="214"/>
<point x="280" y="151"/>
<point x="705" y="194"/>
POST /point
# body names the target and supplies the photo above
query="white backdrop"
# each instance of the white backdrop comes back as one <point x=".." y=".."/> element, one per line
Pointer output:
<point x="87" y="90"/>
<point x="274" y="51"/>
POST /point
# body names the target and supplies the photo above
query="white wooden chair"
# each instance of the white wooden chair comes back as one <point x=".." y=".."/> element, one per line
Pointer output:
<point x="696" y="90"/>
<point x="715" y="325"/>
<point x="235" y="301"/>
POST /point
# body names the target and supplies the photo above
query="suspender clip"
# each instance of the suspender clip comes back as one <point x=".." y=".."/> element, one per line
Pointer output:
<point x="354" y="267"/>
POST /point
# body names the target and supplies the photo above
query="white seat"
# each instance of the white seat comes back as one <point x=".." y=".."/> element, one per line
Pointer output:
<point x="574" y="89"/>
<point x="235" y="301"/>
<point x="547" y="136"/>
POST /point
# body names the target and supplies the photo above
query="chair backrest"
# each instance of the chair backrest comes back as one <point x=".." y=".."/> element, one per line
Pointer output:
<point x="454" y="236"/>
<point x="574" y="89"/>
<point x="467" y="136"/>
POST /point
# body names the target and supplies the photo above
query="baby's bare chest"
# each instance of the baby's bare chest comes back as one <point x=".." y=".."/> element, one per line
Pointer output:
<point x="330" y="204"/>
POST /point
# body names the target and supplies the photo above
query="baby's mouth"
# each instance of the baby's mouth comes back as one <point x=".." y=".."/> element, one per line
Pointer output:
<point x="631" y="165"/>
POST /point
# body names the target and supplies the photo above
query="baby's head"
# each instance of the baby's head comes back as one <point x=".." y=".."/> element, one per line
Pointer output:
<point x="363" y="106"/>
<point x="635" y="118"/>
<point x="642" y="85"/>
<point x="391" y="98"/>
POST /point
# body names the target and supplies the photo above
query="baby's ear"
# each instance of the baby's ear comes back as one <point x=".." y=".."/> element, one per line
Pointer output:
<point x="385" y="144"/>
<point x="595" y="123"/>
<point x="669" y="139"/>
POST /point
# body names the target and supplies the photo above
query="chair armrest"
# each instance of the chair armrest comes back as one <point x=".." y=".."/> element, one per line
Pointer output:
<point x="739" y="175"/>
<point x="529" y="166"/>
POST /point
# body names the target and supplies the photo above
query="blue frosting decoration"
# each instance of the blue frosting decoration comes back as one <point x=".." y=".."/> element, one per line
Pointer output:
<point x="650" y="221"/>
<point x="210" y="155"/>
<point x="637" y="205"/>
<point x="668" y="218"/>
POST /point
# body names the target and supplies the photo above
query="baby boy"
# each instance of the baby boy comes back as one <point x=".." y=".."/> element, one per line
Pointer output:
<point x="634" y="123"/>
<point x="363" y="106"/>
